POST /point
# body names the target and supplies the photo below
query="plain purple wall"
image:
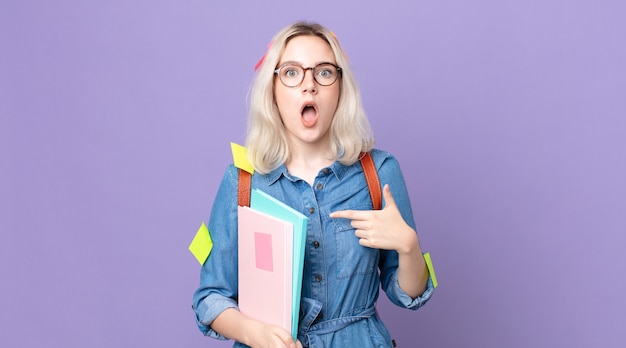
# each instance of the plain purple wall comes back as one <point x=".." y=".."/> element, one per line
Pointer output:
<point x="508" y="119"/>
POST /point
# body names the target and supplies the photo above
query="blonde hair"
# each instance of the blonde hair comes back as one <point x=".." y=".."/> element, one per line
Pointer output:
<point x="266" y="139"/>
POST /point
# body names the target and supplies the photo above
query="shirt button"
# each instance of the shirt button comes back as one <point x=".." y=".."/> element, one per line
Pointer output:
<point x="319" y="186"/>
<point x="316" y="244"/>
<point x="318" y="278"/>
<point x="326" y="171"/>
<point x="311" y="210"/>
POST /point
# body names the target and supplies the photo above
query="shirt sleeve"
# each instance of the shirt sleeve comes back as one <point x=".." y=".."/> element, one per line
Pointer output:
<point x="397" y="296"/>
<point x="218" y="277"/>
<point x="389" y="173"/>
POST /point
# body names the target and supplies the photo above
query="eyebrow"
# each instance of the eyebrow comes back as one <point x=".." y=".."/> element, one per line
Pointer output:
<point x="293" y="62"/>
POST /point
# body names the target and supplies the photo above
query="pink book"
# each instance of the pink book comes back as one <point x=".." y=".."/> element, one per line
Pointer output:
<point x="265" y="267"/>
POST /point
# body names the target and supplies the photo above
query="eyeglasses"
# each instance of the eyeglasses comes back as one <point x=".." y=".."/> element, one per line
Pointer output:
<point x="292" y="75"/>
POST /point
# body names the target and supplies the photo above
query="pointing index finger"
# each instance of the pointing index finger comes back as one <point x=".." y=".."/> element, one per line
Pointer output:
<point x="347" y="214"/>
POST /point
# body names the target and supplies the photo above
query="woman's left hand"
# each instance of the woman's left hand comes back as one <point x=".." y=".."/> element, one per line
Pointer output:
<point x="381" y="229"/>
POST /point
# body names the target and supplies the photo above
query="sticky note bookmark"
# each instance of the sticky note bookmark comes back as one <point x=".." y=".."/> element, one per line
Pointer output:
<point x="240" y="158"/>
<point x="431" y="270"/>
<point x="263" y="251"/>
<point x="201" y="244"/>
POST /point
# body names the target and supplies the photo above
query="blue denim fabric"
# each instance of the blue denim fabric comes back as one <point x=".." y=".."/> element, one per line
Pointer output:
<point x="341" y="281"/>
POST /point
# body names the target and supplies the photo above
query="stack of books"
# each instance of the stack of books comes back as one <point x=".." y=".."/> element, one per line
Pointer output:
<point x="272" y="239"/>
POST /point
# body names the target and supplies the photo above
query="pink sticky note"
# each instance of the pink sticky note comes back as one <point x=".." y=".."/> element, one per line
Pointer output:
<point x="263" y="251"/>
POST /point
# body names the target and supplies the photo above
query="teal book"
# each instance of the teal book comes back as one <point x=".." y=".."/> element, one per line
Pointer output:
<point x="267" y="204"/>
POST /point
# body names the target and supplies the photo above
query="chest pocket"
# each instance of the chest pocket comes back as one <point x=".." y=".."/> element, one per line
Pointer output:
<point x="353" y="258"/>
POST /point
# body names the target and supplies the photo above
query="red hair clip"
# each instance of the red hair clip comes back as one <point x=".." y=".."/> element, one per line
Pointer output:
<point x="258" y="64"/>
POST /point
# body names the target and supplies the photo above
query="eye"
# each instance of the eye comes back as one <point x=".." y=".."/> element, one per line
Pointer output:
<point x="291" y="71"/>
<point x="325" y="72"/>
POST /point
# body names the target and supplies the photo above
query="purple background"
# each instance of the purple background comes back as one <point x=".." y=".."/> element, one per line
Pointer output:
<point x="508" y="119"/>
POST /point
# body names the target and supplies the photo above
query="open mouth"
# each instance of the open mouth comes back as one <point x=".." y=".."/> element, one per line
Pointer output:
<point x="309" y="115"/>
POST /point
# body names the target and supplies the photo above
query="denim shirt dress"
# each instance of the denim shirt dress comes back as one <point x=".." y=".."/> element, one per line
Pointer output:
<point x="341" y="278"/>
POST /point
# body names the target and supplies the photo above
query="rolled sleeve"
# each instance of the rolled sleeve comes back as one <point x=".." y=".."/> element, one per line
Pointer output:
<point x="399" y="297"/>
<point x="208" y="309"/>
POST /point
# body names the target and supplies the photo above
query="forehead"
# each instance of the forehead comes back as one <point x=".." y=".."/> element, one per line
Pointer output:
<point x="307" y="50"/>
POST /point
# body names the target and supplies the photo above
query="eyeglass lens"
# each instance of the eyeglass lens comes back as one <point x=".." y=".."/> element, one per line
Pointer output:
<point x="293" y="75"/>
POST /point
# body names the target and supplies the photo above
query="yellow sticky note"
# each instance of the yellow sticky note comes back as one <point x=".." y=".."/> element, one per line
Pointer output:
<point x="431" y="270"/>
<point x="240" y="158"/>
<point x="201" y="244"/>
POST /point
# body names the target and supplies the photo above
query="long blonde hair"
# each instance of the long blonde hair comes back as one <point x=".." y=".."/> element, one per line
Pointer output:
<point x="266" y="139"/>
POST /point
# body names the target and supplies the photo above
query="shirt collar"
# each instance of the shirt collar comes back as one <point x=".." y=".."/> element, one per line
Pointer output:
<point x="275" y="174"/>
<point x="337" y="169"/>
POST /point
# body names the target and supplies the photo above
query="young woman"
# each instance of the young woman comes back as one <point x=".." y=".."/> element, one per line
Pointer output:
<point x="307" y="130"/>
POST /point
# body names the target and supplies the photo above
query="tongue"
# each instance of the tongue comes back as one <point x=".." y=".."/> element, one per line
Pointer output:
<point x="309" y="117"/>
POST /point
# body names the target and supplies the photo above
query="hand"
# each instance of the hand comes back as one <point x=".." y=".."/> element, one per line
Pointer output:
<point x="235" y="325"/>
<point x="381" y="229"/>
<point x="273" y="336"/>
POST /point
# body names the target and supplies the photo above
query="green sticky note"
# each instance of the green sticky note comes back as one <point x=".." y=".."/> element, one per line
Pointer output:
<point x="240" y="158"/>
<point x="201" y="244"/>
<point x="431" y="270"/>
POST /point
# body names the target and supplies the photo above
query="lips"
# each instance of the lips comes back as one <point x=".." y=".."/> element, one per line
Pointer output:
<point x="309" y="114"/>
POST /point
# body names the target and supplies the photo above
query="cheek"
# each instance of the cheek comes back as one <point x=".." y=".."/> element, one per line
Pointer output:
<point x="333" y="100"/>
<point x="336" y="92"/>
<point x="280" y="98"/>
<point x="285" y="104"/>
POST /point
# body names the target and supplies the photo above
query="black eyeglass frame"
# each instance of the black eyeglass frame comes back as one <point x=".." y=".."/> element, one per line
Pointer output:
<point x="304" y="70"/>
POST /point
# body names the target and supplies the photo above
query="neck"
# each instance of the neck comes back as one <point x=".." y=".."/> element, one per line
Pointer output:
<point x="306" y="162"/>
<point x="309" y="152"/>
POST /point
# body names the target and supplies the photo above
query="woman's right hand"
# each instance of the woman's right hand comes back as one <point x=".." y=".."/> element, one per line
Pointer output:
<point x="233" y="324"/>
<point x="272" y="336"/>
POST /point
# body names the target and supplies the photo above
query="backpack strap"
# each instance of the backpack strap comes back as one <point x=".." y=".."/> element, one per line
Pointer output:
<point x="369" y="170"/>
<point x="244" y="187"/>
<point x="373" y="183"/>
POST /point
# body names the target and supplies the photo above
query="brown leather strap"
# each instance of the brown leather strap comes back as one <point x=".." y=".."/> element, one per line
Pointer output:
<point x="244" y="187"/>
<point x="369" y="170"/>
<point x="373" y="183"/>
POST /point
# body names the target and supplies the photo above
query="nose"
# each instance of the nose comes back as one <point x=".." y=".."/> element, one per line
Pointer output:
<point x="308" y="83"/>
